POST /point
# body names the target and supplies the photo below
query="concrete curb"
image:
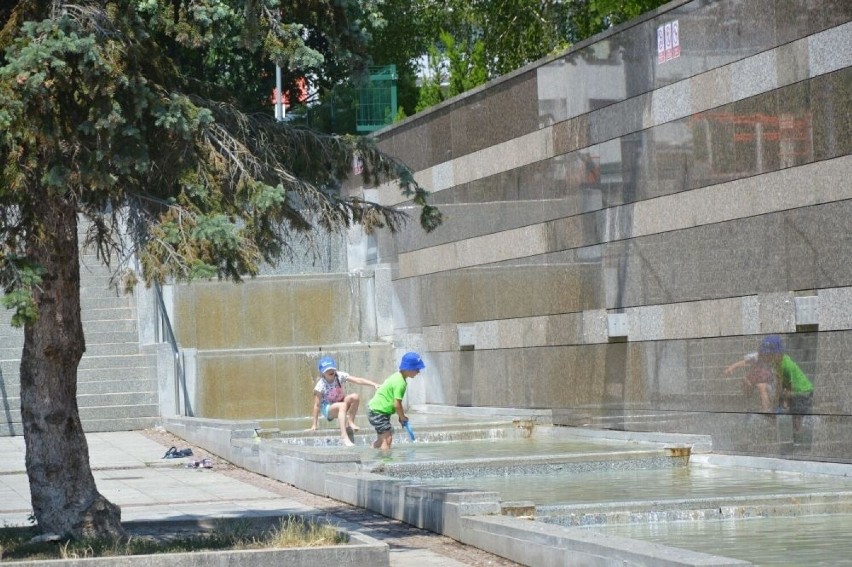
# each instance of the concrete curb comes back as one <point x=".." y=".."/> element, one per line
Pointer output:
<point x="361" y="550"/>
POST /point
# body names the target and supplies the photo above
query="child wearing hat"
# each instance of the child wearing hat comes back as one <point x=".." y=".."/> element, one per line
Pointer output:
<point x="331" y="400"/>
<point x="388" y="399"/>
<point x="795" y="390"/>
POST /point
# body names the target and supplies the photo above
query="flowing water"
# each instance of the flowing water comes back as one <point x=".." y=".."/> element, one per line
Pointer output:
<point x="806" y="519"/>
<point x="610" y="486"/>
<point x="796" y="541"/>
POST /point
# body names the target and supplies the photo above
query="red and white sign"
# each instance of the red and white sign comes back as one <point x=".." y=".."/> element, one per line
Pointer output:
<point x="675" y="39"/>
<point x="668" y="42"/>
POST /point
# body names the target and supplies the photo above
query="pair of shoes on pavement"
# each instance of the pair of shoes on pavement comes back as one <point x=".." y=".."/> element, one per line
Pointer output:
<point x="175" y="453"/>
<point x="203" y="464"/>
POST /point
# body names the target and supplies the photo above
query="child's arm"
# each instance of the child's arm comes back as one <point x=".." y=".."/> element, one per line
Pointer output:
<point x="397" y="403"/>
<point x="741" y="363"/>
<point x="361" y="381"/>
<point x="744" y="362"/>
<point x="315" y="414"/>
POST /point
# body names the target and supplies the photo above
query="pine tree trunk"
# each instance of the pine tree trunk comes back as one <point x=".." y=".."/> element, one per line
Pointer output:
<point x="64" y="496"/>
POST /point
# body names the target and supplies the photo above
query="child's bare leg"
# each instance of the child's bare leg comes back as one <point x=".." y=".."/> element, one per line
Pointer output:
<point x="383" y="440"/>
<point x="354" y="401"/>
<point x="341" y="412"/>
<point x="765" y="402"/>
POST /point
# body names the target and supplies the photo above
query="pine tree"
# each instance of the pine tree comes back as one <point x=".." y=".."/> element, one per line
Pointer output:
<point x="130" y="114"/>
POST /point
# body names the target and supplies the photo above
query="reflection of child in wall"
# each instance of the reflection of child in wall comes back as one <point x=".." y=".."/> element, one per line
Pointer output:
<point x="331" y="400"/>
<point x="760" y="376"/>
<point x="795" y="390"/>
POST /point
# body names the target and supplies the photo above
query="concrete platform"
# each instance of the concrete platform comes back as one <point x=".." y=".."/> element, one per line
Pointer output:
<point x="129" y="470"/>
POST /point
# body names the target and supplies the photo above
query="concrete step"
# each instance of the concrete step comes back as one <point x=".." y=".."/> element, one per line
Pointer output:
<point x="119" y="361"/>
<point x="97" y="349"/>
<point x="149" y="408"/>
<point x="11" y="391"/>
<point x="8" y="429"/>
<point x="106" y="302"/>
<point x="110" y="374"/>
<point x="90" y="361"/>
<point x="91" y="425"/>
<point x="131" y="384"/>
<point x="111" y="349"/>
<point x="94" y="320"/>
<point x="12" y="343"/>
<point x="116" y="399"/>
<point x="109" y="336"/>
<point x="110" y="326"/>
<point x="125" y="424"/>
<point x="93" y="374"/>
<point x="113" y="314"/>
<point x="98" y="289"/>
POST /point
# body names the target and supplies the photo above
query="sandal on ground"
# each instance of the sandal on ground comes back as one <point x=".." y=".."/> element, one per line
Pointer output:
<point x="175" y="453"/>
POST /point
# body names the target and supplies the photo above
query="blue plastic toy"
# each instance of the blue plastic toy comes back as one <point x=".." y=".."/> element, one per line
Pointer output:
<point x="407" y="427"/>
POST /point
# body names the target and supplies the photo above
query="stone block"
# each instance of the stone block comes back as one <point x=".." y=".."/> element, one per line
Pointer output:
<point x="830" y="50"/>
<point x="835" y="309"/>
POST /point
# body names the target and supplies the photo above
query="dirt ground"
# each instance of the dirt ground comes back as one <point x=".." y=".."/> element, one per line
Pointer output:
<point x="398" y="535"/>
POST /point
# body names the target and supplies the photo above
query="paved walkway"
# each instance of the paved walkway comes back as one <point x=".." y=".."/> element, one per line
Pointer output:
<point x="129" y="471"/>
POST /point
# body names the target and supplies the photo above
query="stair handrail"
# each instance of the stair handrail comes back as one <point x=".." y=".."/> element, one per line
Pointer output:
<point x="165" y="323"/>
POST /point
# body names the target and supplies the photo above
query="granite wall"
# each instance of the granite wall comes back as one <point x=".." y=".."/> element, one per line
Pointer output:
<point x="624" y="222"/>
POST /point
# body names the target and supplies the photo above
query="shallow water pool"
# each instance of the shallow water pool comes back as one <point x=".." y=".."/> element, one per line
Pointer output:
<point x="607" y="486"/>
<point x="804" y="540"/>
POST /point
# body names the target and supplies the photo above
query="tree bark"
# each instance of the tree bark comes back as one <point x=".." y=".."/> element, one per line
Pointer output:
<point x="64" y="496"/>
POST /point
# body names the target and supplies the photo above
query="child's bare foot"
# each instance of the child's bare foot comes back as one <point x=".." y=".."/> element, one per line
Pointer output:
<point x="354" y="427"/>
<point x="347" y="442"/>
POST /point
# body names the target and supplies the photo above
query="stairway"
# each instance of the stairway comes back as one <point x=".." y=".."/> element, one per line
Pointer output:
<point x="116" y="381"/>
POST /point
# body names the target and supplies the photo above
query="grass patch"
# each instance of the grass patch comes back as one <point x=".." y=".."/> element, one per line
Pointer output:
<point x="226" y="534"/>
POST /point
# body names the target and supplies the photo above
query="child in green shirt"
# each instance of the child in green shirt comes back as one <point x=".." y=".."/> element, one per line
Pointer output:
<point x="795" y="390"/>
<point x="388" y="399"/>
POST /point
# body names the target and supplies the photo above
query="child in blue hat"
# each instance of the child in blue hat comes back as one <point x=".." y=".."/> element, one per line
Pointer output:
<point x="331" y="400"/>
<point x="388" y="399"/>
<point x="795" y="390"/>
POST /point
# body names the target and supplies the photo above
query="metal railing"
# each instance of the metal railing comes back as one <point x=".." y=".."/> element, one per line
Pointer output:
<point x="164" y="327"/>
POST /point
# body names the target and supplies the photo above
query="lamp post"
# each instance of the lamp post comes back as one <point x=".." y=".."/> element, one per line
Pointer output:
<point x="279" y="96"/>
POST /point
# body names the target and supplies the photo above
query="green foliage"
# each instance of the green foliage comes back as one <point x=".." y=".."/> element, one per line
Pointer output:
<point x="19" y="278"/>
<point x="144" y="112"/>
<point x="430" y="87"/>
<point x="482" y="39"/>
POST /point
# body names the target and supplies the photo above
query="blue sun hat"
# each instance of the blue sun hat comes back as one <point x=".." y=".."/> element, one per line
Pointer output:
<point x="771" y="345"/>
<point x="326" y="363"/>
<point x="411" y="361"/>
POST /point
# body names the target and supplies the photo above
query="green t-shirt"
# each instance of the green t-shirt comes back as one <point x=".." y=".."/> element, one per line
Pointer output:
<point x="793" y="378"/>
<point x="392" y="389"/>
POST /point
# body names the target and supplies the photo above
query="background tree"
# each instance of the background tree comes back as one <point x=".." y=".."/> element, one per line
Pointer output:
<point x="474" y="41"/>
<point x="134" y="114"/>
<point x="434" y="76"/>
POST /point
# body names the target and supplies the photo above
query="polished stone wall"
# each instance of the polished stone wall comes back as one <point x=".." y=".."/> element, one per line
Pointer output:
<point x="619" y="229"/>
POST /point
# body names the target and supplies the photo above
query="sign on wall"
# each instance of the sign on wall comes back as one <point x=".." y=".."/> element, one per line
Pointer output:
<point x="668" y="42"/>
